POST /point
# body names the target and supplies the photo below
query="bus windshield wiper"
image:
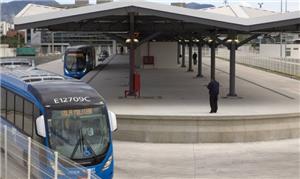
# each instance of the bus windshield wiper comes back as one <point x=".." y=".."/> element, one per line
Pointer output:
<point x="78" y="143"/>
<point x="82" y="142"/>
<point x="89" y="146"/>
<point x="73" y="65"/>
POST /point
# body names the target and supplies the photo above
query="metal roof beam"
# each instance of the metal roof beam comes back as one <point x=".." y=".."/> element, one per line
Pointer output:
<point x="148" y="38"/>
<point x="247" y="40"/>
<point x="117" y="38"/>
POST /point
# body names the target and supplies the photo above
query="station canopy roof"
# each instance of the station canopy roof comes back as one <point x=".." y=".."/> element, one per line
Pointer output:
<point x="150" y="18"/>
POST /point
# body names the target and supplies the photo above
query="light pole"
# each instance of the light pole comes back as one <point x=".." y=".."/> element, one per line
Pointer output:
<point x="281" y="33"/>
<point x="285" y="5"/>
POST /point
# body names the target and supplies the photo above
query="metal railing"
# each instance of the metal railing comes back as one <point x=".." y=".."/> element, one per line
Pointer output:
<point x="288" y="66"/>
<point x="22" y="157"/>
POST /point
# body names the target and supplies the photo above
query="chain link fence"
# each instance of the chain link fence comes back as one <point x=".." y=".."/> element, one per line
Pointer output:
<point x="22" y="157"/>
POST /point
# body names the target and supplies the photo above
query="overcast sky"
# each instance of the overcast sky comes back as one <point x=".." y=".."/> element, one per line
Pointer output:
<point x="274" y="5"/>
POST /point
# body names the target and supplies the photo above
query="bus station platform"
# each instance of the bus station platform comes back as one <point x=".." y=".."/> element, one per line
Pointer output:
<point x="174" y="105"/>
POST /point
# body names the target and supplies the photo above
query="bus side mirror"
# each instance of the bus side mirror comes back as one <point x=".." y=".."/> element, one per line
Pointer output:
<point x="113" y="121"/>
<point x="40" y="126"/>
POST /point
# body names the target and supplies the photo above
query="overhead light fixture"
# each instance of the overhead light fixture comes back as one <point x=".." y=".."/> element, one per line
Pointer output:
<point x="135" y="40"/>
<point x="229" y="40"/>
<point x="128" y="40"/>
<point x="237" y="40"/>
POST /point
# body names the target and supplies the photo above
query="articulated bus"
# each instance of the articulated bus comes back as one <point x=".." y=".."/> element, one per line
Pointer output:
<point x="13" y="63"/>
<point x="66" y="115"/>
<point x="79" y="60"/>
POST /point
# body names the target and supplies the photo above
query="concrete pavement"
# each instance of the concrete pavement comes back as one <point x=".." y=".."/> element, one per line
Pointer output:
<point x="258" y="160"/>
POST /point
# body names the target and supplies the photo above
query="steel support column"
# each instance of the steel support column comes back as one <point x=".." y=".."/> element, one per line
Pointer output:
<point x="199" y="59"/>
<point x="178" y="53"/>
<point x="212" y="60"/>
<point x="232" y="69"/>
<point x="183" y="56"/>
<point x="52" y="42"/>
<point x="131" y="54"/>
<point x="190" y="69"/>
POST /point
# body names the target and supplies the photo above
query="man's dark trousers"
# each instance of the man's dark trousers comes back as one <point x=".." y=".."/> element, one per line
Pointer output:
<point x="213" y="100"/>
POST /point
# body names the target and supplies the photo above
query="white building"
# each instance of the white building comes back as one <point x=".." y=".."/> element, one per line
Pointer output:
<point x="82" y="2"/>
<point x="239" y="11"/>
<point x="5" y="27"/>
<point x="103" y="1"/>
<point x="287" y="50"/>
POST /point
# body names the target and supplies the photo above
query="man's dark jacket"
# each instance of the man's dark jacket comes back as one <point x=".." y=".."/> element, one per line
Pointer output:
<point x="213" y="87"/>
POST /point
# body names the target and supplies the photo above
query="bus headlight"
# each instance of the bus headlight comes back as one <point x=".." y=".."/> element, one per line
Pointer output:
<point x="107" y="163"/>
<point x="66" y="71"/>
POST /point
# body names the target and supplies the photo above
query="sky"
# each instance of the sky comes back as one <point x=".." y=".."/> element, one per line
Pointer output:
<point x="273" y="5"/>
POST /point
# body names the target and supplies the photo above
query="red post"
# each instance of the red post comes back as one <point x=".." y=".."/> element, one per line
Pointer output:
<point x="136" y="79"/>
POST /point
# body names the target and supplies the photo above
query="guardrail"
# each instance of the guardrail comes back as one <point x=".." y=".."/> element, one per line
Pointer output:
<point x="288" y="66"/>
<point x="22" y="157"/>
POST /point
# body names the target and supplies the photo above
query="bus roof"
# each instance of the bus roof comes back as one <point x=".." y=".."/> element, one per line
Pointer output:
<point x="51" y="89"/>
<point x="57" y="94"/>
<point x="77" y="47"/>
<point x="35" y="75"/>
<point x="13" y="63"/>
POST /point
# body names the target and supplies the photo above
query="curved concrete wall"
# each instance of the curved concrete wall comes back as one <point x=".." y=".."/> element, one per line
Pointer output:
<point x="207" y="129"/>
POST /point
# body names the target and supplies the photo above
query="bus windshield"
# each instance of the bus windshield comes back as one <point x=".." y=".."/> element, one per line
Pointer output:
<point x="79" y="133"/>
<point x="75" y="61"/>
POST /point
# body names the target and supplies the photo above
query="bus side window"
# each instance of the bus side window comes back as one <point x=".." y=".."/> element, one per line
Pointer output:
<point x="19" y="106"/>
<point x="28" y="117"/>
<point x="3" y="102"/>
<point x="36" y="113"/>
<point x="10" y="107"/>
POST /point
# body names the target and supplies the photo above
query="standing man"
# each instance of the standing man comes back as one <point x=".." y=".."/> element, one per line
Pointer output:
<point x="213" y="88"/>
<point x="195" y="58"/>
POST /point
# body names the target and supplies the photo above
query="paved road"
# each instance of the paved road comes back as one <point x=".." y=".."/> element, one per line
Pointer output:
<point x="261" y="160"/>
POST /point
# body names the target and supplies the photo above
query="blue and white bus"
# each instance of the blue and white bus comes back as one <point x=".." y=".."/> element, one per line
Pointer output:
<point x="13" y="63"/>
<point x="79" y="60"/>
<point x="65" y="115"/>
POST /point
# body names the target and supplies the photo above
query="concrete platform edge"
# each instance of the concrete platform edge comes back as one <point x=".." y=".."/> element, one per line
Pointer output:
<point x="207" y="129"/>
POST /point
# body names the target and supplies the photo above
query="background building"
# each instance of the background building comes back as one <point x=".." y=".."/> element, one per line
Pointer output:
<point x="5" y="27"/>
<point x="179" y="4"/>
<point x="81" y="2"/>
<point x="53" y="42"/>
<point x="103" y="1"/>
